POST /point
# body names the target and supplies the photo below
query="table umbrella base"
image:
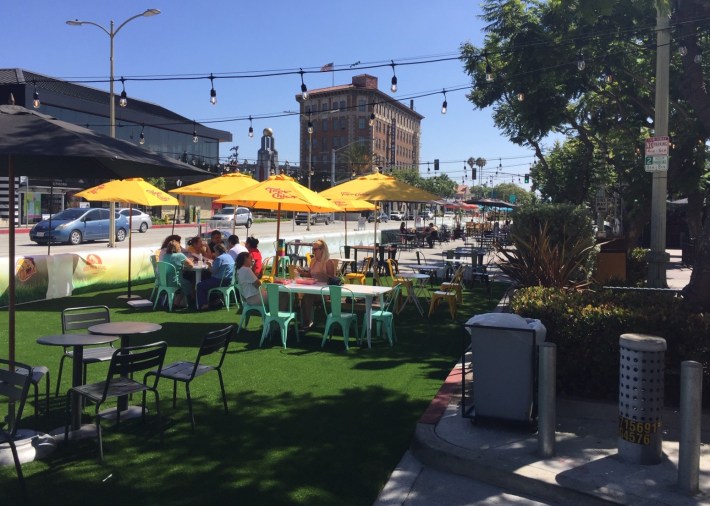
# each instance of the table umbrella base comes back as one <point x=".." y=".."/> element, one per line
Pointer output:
<point x="129" y="413"/>
<point x="31" y="445"/>
<point x="86" y="431"/>
<point x="129" y="297"/>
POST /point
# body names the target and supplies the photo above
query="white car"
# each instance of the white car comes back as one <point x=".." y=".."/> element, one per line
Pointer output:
<point x="243" y="216"/>
<point x="139" y="221"/>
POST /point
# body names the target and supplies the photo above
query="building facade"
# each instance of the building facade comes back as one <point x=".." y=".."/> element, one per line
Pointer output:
<point x="151" y="125"/>
<point x="356" y="127"/>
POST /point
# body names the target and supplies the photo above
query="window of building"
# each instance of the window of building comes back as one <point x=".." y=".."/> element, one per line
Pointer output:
<point x="361" y="123"/>
<point x="361" y="105"/>
<point x="324" y="126"/>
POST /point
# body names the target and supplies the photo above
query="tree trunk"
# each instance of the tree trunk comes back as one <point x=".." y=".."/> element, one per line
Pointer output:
<point x="697" y="293"/>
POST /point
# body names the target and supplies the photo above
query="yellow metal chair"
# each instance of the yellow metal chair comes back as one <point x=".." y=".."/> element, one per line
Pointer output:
<point x="448" y="293"/>
<point x="360" y="276"/>
<point x="456" y="283"/>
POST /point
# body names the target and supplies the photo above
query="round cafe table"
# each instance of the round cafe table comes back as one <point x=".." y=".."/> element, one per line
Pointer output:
<point x="124" y="330"/>
<point x="77" y="342"/>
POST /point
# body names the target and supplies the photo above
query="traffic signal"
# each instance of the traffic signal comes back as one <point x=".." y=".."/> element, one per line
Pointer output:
<point x="527" y="178"/>
<point x="436" y="164"/>
<point x="473" y="173"/>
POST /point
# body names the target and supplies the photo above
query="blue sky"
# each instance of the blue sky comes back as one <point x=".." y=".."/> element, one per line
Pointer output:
<point x="230" y="36"/>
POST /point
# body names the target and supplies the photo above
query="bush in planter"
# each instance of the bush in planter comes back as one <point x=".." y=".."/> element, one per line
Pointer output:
<point x="586" y="327"/>
<point x="553" y="246"/>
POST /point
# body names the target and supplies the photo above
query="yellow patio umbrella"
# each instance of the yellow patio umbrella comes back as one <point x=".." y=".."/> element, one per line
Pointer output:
<point x="352" y="205"/>
<point x="282" y="193"/>
<point x="133" y="191"/>
<point x="378" y="188"/>
<point x="220" y="186"/>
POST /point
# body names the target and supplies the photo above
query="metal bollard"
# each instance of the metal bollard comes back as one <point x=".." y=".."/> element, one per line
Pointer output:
<point x="547" y="395"/>
<point x="641" y="398"/>
<point x="691" y="390"/>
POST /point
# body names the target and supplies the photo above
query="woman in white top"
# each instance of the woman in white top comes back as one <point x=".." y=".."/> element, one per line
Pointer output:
<point x="248" y="282"/>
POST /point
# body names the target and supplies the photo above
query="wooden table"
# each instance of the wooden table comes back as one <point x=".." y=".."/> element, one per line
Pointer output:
<point x="124" y="330"/>
<point x="77" y="342"/>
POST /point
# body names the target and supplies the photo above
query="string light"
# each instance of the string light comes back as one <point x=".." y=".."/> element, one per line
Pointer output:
<point x="581" y="64"/>
<point x="372" y="119"/>
<point x="213" y="92"/>
<point x="489" y="71"/>
<point x="521" y="96"/>
<point x="123" y="101"/>
<point x="35" y="97"/>
<point x="194" y="132"/>
<point x="310" y="124"/>
<point x="444" y="104"/>
<point x="251" y="129"/>
<point x="683" y="49"/>
<point x="394" y="78"/>
<point x="304" y="89"/>
<point x="698" y="58"/>
<point x="141" y="137"/>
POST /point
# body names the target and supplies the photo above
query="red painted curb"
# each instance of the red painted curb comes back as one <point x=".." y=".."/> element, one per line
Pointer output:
<point x="437" y="407"/>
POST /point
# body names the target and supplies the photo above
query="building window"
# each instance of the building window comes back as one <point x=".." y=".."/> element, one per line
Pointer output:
<point x="361" y="105"/>
<point x="361" y="123"/>
<point x="324" y="125"/>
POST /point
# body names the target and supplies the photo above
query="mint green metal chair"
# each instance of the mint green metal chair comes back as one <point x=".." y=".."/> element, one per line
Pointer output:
<point x="273" y="314"/>
<point x="156" y="283"/>
<point x="226" y="289"/>
<point x="247" y="309"/>
<point x="168" y="283"/>
<point x="336" y="315"/>
<point x="383" y="317"/>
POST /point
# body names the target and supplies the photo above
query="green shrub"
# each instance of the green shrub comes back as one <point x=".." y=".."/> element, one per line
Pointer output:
<point x="553" y="246"/>
<point x="637" y="267"/>
<point x="586" y="327"/>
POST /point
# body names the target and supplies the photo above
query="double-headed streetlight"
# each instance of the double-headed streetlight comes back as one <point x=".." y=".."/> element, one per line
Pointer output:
<point x="112" y="32"/>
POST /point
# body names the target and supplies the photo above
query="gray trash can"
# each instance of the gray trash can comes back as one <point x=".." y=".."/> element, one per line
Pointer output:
<point x="504" y="366"/>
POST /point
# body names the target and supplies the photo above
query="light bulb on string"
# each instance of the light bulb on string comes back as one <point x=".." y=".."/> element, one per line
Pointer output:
<point x="489" y="70"/>
<point x="683" y="49"/>
<point x="698" y="58"/>
<point x="444" y="105"/>
<point x="394" y="78"/>
<point x="141" y="137"/>
<point x="581" y="64"/>
<point x="251" y="129"/>
<point x="304" y="89"/>
<point x="372" y="119"/>
<point x="213" y="92"/>
<point x="521" y="96"/>
<point x="194" y="132"/>
<point x="123" y="101"/>
<point x="35" y="97"/>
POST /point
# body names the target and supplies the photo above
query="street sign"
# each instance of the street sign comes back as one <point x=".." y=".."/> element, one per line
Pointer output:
<point x="657" y="146"/>
<point x="656" y="163"/>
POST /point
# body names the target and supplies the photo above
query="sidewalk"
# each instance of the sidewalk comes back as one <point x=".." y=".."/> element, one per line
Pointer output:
<point x="450" y="456"/>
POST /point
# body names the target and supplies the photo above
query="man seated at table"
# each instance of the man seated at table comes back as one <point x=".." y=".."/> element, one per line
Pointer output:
<point x="215" y="239"/>
<point x="235" y="246"/>
<point x="222" y="269"/>
<point x="431" y="233"/>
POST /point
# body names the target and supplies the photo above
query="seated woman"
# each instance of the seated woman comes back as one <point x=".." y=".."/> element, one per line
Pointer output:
<point x="321" y="268"/>
<point x="248" y="282"/>
<point x="252" y="244"/>
<point x="177" y="259"/>
<point x="196" y="249"/>
<point x="164" y="247"/>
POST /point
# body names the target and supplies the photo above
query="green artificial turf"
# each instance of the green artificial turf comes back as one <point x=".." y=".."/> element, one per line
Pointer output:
<point x="306" y="425"/>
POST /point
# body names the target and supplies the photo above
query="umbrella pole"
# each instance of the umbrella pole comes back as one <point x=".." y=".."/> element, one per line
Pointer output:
<point x="174" y="219"/>
<point x="130" y="242"/>
<point x="346" y="227"/>
<point x="11" y="278"/>
<point x="49" y="229"/>
<point x="278" y="226"/>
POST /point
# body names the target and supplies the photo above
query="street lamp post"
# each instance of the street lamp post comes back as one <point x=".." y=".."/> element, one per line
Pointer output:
<point x="111" y="32"/>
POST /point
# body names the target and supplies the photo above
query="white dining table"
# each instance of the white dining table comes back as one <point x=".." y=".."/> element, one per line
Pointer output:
<point x="414" y="288"/>
<point x="367" y="292"/>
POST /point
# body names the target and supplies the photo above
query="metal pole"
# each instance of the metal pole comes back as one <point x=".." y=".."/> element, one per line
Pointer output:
<point x="657" y="257"/>
<point x="547" y="397"/>
<point x="112" y="132"/>
<point x="691" y="389"/>
<point x="310" y="170"/>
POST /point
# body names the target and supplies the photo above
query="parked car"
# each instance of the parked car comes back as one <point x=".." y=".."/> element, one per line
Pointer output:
<point x="140" y="220"/>
<point x="426" y="215"/>
<point x="315" y="218"/>
<point x="76" y="225"/>
<point x="382" y="218"/>
<point x="243" y="216"/>
<point x="396" y="216"/>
